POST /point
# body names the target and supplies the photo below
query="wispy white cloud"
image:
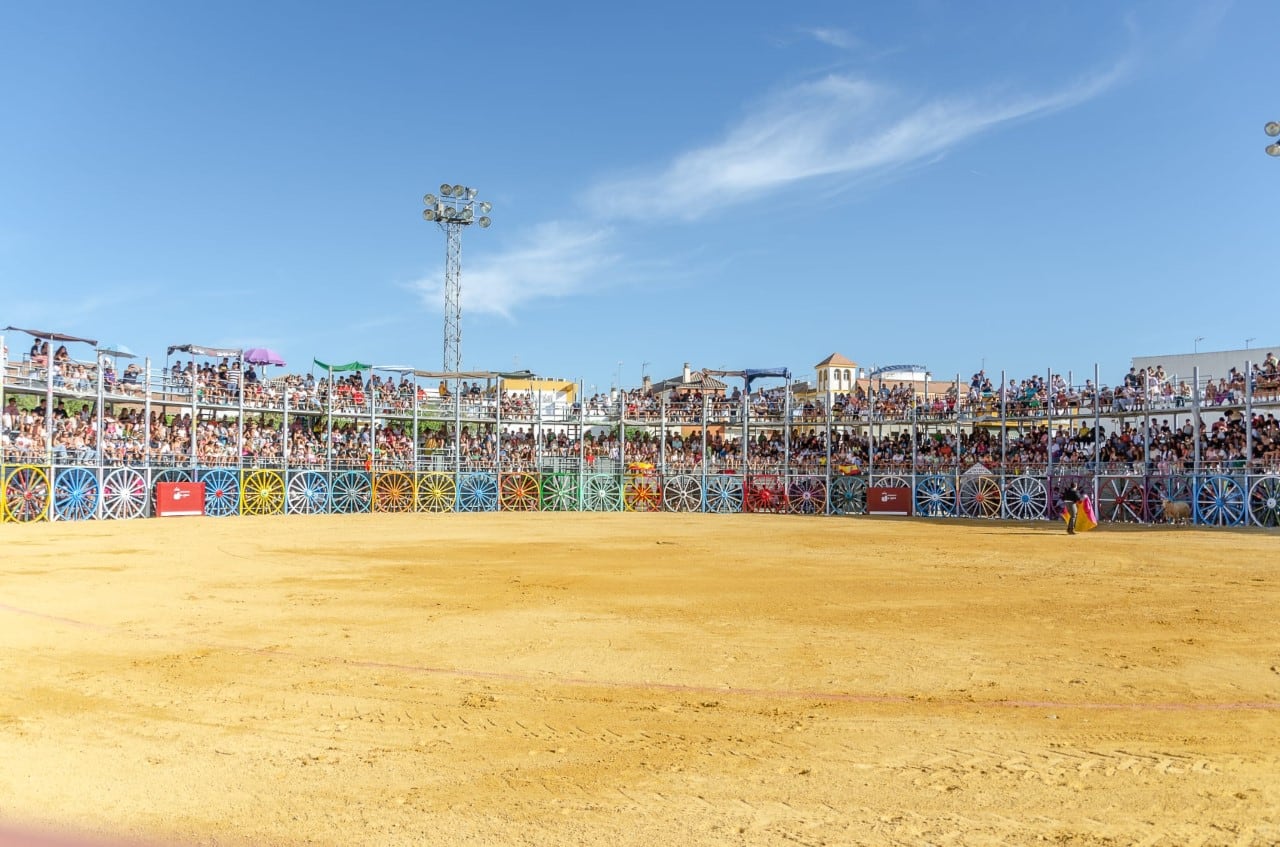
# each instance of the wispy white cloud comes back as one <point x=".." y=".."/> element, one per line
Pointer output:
<point x="555" y="259"/>
<point x="840" y="127"/>
<point x="833" y="37"/>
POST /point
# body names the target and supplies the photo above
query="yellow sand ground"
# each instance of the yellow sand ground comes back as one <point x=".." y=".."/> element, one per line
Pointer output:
<point x="621" y="679"/>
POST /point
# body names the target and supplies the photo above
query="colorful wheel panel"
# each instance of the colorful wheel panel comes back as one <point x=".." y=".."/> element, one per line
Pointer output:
<point x="518" y="492"/>
<point x="477" y="492"/>
<point x="765" y="493"/>
<point x="168" y="475"/>
<point x="437" y="492"/>
<point x="848" y="495"/>
<point x="724" y="493"/>
<point x="1176" y="489"/>
<point x="262" y="493"/>
<point x="642" y="492"/>
<point x="351" y="493"/>
<point x="1264" y="501"/>
<point x="75" y="494"/>
<point x="559" y="492"/>
<point x="1221" y="501"/>
<point x="124" y="494"/>
<point x="980" y="496"/>
<point x="1122" y="499"/>
<point x="393" y="492"/>
<point x="221" y="492"/>
<point x="602" y="493"/>
<point x="682" y="493"/>
<point x="1026" y="498"/>
<point x="308" y="493"/>
<point x="807" y="495"/>
<point x="935" y="496"/>
<point x="26" y="494"/>
<point x="891" y="480"/>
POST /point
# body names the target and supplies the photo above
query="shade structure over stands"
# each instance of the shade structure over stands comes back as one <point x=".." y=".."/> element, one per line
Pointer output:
<point x="197" y="350"/>
<point x="118" y="351"/>
<point x="349" y="366"/>
<point x="52" y="336"/>
<point x="263" y="356"/>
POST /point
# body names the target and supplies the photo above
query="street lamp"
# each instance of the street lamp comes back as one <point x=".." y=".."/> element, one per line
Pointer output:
<point x="1197" y="343"/>
<point x="1249" y="341"/>
<point x="455" y="208"/>
<point x="1272" y="129"/>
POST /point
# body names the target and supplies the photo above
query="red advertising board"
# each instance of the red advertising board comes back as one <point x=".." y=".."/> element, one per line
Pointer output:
<point x="179" y="498"/>
<point x="888" y="501"/>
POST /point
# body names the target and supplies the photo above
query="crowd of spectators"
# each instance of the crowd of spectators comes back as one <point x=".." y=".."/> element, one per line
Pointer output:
<point x="366" y="420"/>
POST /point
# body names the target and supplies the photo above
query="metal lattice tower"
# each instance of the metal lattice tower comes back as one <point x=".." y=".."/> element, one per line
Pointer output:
<point x="453" y="210"/>
<point x="452" y="297"/>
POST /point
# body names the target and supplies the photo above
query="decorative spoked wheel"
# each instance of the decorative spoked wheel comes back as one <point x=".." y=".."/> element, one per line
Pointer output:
<point x="682" y="493"/>
<point x="477" y="492"/>
<point x="602" y="493"/>
<point x="559" y="492"/>
<point x="221" y="492"/>
<point x="765" y="493"/>
<point x="935" y="496"/>
<point x="168" y="475"/>
<point x="1026" y="498"/>
<point x="352" y="493"/>
<point x="393" y="492"/>
<point x="124" y="494"/>
<point x="26" y="494"/>
<point x="1264" y="501"/>
<point x="437" y="492"/>
<point x="1221" y="501"/>
<point x="807" y="495"/>
<point x="518" y="492"/>
<point x="724" y="493"/>
<point x="1176" y="489"/>
<point x="1122" y="499"/>
<point x="75" y="494"/>
<point x="848" y="495"/>
<point x="262" y="493"/>
<point x="308" y="493"/>
<point x="980" y="497"/>
<point x="642" y="492"/>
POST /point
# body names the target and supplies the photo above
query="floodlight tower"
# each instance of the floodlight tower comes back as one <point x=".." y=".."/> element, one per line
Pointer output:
<point x="1272" y="129"/>
<point x="455" y="208"/>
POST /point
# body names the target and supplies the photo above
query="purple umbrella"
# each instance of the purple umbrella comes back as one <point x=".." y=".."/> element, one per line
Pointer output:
<point x="263" y="356"/>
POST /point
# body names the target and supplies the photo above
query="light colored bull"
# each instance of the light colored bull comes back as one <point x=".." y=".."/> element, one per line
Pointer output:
<point x="1176" y="511"/>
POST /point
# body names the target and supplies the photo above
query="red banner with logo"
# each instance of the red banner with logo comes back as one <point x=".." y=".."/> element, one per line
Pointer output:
<point x="888" y="501"/>
<point x="179" y="498"/>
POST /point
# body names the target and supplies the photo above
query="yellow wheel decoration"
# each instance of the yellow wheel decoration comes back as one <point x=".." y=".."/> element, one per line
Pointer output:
<point x="393" y="492"/>
<point x="262" y="493"/>
<point x="436" y="492"/>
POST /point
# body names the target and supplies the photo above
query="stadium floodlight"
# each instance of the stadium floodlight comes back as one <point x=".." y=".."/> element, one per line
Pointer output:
<point x="454" y="209"/>
<point x="1273" y="149"/>
<point x="1272" y="128"/>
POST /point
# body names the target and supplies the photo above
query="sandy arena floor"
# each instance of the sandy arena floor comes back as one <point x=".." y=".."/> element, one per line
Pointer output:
<point x="614" y="679"/>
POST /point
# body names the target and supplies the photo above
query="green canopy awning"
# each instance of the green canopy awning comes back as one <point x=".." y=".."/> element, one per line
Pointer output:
<point x="349" y="366"/>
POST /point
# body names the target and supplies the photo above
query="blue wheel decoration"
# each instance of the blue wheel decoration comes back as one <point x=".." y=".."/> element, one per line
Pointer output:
<point x="848" y="495"/>
<point x="935" y="496"/>
<point x="308" y="493"/>
<point x="1220" y="501"/>
<point x="221" y="493"/>
<point x="75" y="494"/>
<point x="477" y="492"/>
<point x="352" y="492"/>
<point x="1025" y="498"/>
<point x="724" y="493"/>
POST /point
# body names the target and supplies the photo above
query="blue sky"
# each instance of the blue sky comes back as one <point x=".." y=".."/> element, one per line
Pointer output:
<point x="1029" y="185"/>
